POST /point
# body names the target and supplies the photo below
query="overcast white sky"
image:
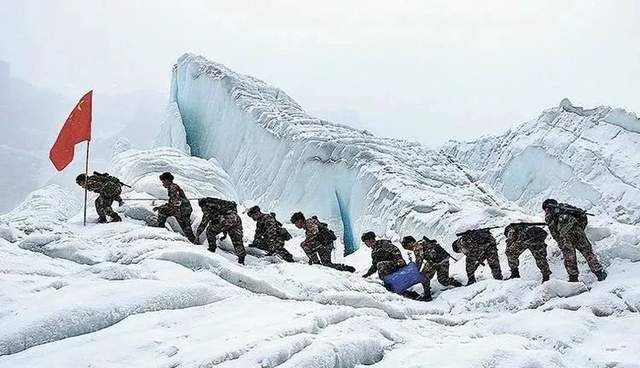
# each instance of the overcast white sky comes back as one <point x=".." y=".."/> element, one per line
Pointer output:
<point x="423" y="70"/>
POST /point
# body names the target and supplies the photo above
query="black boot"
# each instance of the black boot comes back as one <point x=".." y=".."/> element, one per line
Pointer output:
<point x="545" y="277"/>
<point x="455" y="283"/>
<point x="212" y="249"/>
<point x="471" y="279"/>
<point x="101" y="220"/>
<point x="515" y="273"/>
<point x="573" y="278"/>
<point x="601" y="275"/>
<point x="241" y="259"/>
<point x="116" y="218"/>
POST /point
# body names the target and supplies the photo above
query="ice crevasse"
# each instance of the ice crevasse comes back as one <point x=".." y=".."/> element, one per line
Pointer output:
<point x="279" y="157"/>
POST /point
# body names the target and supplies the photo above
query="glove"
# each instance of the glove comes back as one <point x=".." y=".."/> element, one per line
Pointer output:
<point x="120" y="203"/>
<point x="224" y="236"/>
<point x="155" y="209"/>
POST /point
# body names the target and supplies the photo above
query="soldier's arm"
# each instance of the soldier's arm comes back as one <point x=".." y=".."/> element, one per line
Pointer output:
<point x="371" y="271"/>
<point x="203" y="224"/>
<point x="397" y="256"/>
<point x="259" y="233"/>
<point x="271" y="229"/>
<point x="174" y="196"/>
<point x="312" y="233"/>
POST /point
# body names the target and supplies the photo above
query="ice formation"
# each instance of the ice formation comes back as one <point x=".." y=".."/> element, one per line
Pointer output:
<point x="282" y="158"/>
<point x="126" y="294"/>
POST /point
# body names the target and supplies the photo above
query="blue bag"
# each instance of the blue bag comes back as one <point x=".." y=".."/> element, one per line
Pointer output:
<point x="404" y="278"/>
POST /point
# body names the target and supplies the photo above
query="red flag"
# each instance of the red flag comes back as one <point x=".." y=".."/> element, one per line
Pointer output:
<point x="76" y="129"/>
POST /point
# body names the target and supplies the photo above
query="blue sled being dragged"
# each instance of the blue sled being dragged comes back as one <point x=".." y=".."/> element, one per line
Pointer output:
<point x="404" y="278"/>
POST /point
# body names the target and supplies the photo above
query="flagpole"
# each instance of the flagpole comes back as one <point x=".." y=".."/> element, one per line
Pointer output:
<point x="86" y="181"/>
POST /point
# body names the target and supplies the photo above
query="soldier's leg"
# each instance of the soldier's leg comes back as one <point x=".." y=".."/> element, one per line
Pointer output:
<point x="324" y="253"/>
<point x="163" y="214"/>
<point x="513" y="251"/>
<point x="471" y="265"/>
<point x="428" y="271"/>
<point x="108" y="203"/>
<point x="539" y="252"/>
<point x="280" y="250"/>
<point x="569" y="258"/>
<point x="235" y="233"/>
<point x="442" y="271"/>
<point x="100" y="209"/>
<point x="494" y="262"/>
<point x="212" y="233"/>
<point x="583" y="245"/>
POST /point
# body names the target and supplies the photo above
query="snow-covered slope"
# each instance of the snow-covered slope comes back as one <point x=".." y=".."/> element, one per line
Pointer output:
<point x="126" y="294"/>
<point x="278" y="156"/>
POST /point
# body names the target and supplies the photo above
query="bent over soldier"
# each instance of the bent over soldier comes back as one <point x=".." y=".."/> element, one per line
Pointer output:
<point x="108" y="188"/>
<point x="270" y="235"/>
<point x="177" y="206"/>
<point x="567" y="226"/>
<point x="318" y="242"/>
<point x="432" y="259"/>
<point x="478" y="246"/>
<point x="523" y="237"/>
<point x="220" y="216"/>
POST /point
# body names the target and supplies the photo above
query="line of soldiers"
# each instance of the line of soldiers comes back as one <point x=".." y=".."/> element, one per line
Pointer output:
<point x="566" y="224"/>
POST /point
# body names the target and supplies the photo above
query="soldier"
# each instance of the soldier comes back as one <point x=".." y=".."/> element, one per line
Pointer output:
<point x="566" y="225"/>
<point x="478" y="246"/>
<point x="108" y="188"/>
<point x="523" y="237"/>
<point x="270" y="235"/>
<point x="432" y="259"/>
<point x="318" y="242"/>
<point x="386" y="259"/>
<point x="222" y="216"/>
<point x="178" y="206"/>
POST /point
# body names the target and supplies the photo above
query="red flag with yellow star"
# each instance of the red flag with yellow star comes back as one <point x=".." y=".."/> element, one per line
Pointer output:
<point x="76" y="129"/>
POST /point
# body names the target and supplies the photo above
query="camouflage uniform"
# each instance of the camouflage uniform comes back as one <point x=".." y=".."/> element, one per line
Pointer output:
<point x="318" y="250"/>
<point x="109" y="190"/>
<point x="385" y="258"/>
<point x="521" y="238"/>
<point x="179" y="207"/>
<point x="222" y="219"/>
<point x="478" y="246"/>
<point x="433" y="259"/>
<point x="269" y="237"/>
<point x="568" y="231"/>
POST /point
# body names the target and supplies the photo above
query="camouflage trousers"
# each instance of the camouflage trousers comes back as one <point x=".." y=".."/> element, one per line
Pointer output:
<point x="103" y="207"/>
<point x="441" y="269"/>
<point x="232" y="226"/>
<point x="183" y="216"/>
<point x="276" y="247"/>
<point x="321" y="254"/>
<point x="477" y="256"/>
<point x="539" y="251"/>
<point x="574" y="240"/>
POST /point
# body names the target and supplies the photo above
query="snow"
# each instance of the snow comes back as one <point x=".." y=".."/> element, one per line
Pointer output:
<point x="126" y="294"/>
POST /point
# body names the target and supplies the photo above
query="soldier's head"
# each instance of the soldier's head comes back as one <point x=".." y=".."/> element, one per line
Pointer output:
<point x="166" y="179"/>
<point x="368" y="238"/>
<point x="509" y="231"/>
<point x="81" y="180"/>
<point x="254" y="212"/>
<point x="456" y="246"/>
<point x="408" y="242"/>
<point x="298" y="220"/>
<point x="548" y="203"/>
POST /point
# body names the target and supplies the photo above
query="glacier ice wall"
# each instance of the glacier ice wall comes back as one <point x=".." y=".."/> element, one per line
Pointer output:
<point x="590" y="157"/>
<point x="285" y="160"/>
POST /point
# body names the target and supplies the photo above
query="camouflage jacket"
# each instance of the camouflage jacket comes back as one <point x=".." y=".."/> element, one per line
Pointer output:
<point x="384" y="250"/>
<point x="107" y="186"/>
<point x="429" y="251"/>
<point x="474" y="243"/>
<point x="267" y="230"/>
<point x="177" y="198"/>
<point x="525" y="234"/>
<point x="560" y="223"/>
<point x="312" y="234"/>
